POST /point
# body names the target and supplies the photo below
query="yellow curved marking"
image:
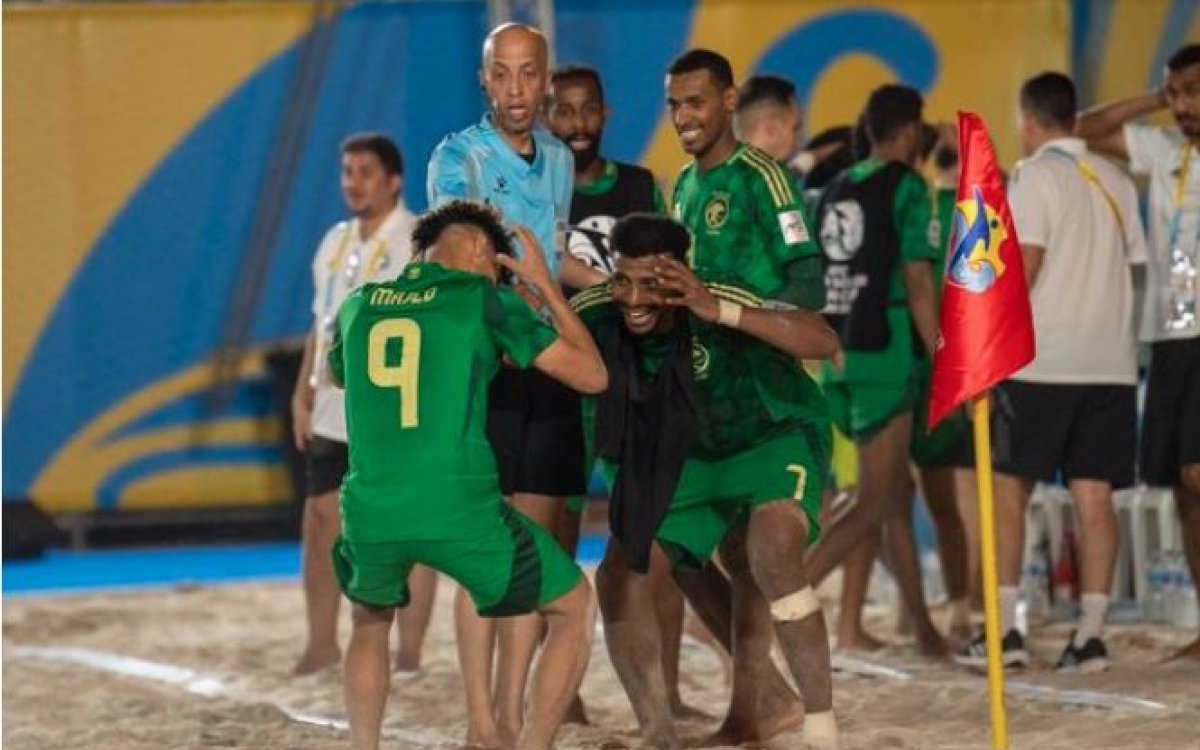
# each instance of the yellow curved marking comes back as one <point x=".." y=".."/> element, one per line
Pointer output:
<point x="208" y="486"/>
<point x="979" y="72"/>
<point x="71" y="479"/>
<point x="95" y="96"/>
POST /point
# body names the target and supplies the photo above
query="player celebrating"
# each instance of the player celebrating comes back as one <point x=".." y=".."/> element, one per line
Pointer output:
<point x="416" y="356"/>
<point x="759" y="447"/>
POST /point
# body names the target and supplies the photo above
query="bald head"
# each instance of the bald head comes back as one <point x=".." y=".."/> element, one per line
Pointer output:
<point x="524" y="38"/>
<point x="515" y="75"/>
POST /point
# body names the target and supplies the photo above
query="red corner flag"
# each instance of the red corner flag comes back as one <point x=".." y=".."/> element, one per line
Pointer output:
<point x="987" y="327"/>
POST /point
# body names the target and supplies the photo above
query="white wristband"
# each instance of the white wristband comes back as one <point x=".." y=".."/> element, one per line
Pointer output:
<point x="728" y="313"/>
<point x="803" y="162"/>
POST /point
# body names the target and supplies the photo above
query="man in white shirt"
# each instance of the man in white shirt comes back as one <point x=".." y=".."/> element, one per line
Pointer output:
<point x="373" y="246"/>
<point x="1171" y="427"/>
<point x="1072" y="412"/>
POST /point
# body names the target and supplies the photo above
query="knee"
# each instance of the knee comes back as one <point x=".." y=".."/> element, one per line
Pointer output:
<point x="1189" y="478"/>
<point x="367" y="617"/>
<point x="732" y="552"/>
<point x="323" y="514"/>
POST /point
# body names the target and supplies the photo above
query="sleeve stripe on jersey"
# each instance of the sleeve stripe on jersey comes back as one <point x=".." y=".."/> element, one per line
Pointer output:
<point x="735" y="294"/>
<point x="772" y="174"/>
<point x="596" y="295"/>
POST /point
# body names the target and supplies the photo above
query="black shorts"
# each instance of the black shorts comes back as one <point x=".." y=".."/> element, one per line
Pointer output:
<point x="1171" y="425"/>
<point x="325" y="463"/>
<point x="1046" y="432"/>
<point x="536" y="429"/>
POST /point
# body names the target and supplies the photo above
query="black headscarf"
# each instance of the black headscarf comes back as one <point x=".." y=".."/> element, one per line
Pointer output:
<point x="644" y="425"/>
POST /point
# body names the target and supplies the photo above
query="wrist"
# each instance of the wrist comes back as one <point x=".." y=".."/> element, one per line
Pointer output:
<point x="729" y="314"/>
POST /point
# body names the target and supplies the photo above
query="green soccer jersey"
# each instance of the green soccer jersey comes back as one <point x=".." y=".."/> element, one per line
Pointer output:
<point x="911" y="215"/>
<point x="943" y="222"/>
<point x="416" y="356"/>
<point x="747" y="392"/>
<point x="747" y="224"/>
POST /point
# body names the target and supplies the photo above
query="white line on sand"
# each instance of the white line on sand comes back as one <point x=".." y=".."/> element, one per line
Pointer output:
<point x="198" y="683"/>
<point x="1019" y="688"/>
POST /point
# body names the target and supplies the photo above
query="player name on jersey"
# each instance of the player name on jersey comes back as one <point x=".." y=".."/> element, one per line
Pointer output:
<point x="385" y="296"/>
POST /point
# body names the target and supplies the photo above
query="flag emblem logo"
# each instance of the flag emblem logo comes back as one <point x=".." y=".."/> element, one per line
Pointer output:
<point x="975" y="263"/>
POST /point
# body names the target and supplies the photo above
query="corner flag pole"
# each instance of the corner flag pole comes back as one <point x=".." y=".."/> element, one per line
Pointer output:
<point x="991" y="605"/>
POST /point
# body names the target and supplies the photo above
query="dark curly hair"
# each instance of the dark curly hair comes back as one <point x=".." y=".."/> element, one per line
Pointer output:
<point x="479" y="215"/>
<point x="638" y="235"/>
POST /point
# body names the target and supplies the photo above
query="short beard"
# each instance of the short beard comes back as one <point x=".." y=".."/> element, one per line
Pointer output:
<point x="588" y="157"/>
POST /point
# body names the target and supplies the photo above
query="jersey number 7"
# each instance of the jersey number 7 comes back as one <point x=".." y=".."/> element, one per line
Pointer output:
<point x="404" y="375"/>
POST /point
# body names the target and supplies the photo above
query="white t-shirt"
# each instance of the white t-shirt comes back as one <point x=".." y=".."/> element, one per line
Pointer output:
<point x="1083" y="295"/>
<point x="344" y="262"/>
<point x="1159" y="152"/>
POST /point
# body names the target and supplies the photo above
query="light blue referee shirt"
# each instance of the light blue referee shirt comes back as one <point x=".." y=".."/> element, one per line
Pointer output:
<point x="478" y="164"/>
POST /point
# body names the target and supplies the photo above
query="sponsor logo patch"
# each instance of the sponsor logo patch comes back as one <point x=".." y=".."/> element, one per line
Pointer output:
<point x="791" y="223"/>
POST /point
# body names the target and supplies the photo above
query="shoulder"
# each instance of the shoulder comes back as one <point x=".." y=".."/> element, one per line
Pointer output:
<point x="336" y="232"/>
<point x="1038" y="169"/>
<point x="592" y="298"/>
<point x="764" y="170"/>
<point x="685" y="173"/>
<point x="332" y="237"/>
<point x="632" y="171"/>
<point x="457" y="143"/>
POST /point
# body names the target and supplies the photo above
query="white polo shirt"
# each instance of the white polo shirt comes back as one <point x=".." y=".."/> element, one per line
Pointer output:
<point x="344" y="262"/>
<point x="1083" y="295"/>
<point x="1174" y="199"/>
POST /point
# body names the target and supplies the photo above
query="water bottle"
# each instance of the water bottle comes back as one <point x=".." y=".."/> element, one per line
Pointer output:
<point x="1182" y="611"/>
<point x="1187" y="613"/>
<point x="1154" y="607"/>
<point x="1035" y="587"/>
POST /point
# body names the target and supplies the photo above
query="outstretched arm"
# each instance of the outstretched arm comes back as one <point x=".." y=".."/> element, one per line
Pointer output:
<point x="801" y="334"/>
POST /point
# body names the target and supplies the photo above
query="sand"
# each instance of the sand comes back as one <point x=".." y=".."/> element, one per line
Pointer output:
<point x="240" y="641"/>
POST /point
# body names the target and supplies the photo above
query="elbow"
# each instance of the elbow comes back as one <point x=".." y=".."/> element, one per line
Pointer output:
<point x="595" y="381"/>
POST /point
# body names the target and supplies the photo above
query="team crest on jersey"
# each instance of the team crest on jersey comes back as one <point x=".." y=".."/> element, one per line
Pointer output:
<point x="975" y="262"/>
<point x="700" y="359"/>
<point x="842" y="229"/>
<point x="716" y="212"/>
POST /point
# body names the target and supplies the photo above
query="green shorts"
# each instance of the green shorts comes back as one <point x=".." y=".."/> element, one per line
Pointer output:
<point x="948" y="444"/>
<point x="862" y="409"/>
<point x="510" y="567"/>
<point x="714" y="496"/>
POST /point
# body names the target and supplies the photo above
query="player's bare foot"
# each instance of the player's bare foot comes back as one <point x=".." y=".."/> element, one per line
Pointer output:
<point x="664" y="741"/>
<point x="858" y="641"/>
<point x="933" y="646"/>
<point x="736" y="731"/>
<point x="577" y="713"/>
<point x="315" y="660"/>
<point x="1190" y="652"/>
<point x="683" y="712"/>
<point x="485" y="741"/>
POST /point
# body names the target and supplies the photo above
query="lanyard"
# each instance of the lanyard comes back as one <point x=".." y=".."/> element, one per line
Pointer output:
<point x="1179" y="196"/>
<point x="1089" y="174"/>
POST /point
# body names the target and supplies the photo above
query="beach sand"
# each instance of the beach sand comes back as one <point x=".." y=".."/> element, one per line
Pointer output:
<point x="240" y="641"/>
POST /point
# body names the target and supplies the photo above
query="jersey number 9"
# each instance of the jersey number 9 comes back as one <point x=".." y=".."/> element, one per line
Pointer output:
<point x="404" y="374"/>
